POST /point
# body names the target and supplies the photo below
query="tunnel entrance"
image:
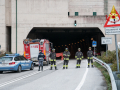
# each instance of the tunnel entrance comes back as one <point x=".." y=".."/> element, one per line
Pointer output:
<point x="72" y="38"/>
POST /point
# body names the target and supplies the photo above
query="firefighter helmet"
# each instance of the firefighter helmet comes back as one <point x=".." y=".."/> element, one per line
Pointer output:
<point x="89" y="47"/>
<point x="53" y="49"/>
<point x="79" y="49"/>
<point x="66" y="49"/>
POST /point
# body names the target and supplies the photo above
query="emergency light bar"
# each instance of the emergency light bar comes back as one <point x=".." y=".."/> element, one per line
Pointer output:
<point x="12" y="54"/>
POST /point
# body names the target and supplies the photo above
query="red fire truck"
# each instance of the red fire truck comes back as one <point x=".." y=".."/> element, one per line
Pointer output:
<point x="32" y="47"/>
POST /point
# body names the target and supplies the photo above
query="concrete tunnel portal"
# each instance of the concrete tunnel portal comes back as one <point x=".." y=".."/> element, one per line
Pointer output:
<point x="71" y="38"/>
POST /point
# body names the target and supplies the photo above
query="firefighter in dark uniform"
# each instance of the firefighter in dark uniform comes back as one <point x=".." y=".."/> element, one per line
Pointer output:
<point x="53" y="59"/>
<point x="90" y="57"/>
<point x="66" y="55"/>
<point x="78" y="56"/>
<point x="40" y="59"/>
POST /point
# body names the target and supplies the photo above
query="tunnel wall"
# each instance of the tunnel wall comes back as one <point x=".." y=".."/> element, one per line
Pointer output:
<point x="42" y="13"/>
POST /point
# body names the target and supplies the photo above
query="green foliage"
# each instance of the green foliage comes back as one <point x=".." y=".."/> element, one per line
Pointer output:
<point x="105" y="74"/>
<point x="111" y="58"/>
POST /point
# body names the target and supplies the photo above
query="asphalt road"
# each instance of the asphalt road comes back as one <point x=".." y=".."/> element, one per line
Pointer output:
<point x="69" y="79"/>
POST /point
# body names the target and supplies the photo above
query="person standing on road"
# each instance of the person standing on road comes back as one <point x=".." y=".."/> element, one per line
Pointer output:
<point x="90" y="57"/>
<point x="53" y="59"/>
<point x="40" y="59"/>
<point x="66" y="55"/>
<point x="78" y="56"/>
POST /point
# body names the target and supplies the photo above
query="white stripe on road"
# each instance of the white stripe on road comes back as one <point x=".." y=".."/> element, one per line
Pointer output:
<point x="83" y="80"/>
<point x="23" y="77"/>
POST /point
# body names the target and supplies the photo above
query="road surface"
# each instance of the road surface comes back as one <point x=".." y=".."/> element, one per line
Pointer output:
<point x="69" y="79"/>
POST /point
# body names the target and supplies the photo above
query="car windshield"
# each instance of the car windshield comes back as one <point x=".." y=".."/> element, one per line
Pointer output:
<point x="6" y="59"/>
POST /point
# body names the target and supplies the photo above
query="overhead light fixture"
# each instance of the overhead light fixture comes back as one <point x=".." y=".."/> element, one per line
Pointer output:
<point x="62" y="45"/>
<point x="69" y="44"/>
<point x="91" y="38"/>
<point x="75" y="43"/>
<point x="65" y="45"/>
<point x="78" y="42"/>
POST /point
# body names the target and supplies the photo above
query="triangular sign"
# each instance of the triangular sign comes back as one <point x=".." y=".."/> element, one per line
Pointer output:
<point x="113" y="20"/>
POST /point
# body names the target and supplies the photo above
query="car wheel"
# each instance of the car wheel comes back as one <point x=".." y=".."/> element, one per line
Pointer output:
<point x="32" y="66"/>
<point x="19" y="69"/>
<point x="1" y="71"/>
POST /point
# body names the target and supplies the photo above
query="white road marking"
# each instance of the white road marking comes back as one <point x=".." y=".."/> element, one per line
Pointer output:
<point x="83" y="80"/>
<point x="23" y="77"/>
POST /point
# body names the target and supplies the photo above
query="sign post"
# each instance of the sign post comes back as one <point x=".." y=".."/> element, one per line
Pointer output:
<point x="106" y="49"/>
<point x="94" y="44"/>
<point x="112" y="27"/>
<point x="106" y="41"/>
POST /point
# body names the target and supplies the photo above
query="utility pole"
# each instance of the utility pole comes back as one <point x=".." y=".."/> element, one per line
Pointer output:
<point x="16" y="26"/>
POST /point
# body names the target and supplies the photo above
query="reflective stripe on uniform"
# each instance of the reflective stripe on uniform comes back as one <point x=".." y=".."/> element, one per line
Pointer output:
<point x="90" y="57"/>
<point x="55" y="65"/>
<point x="82" y="56"/>
<point x="66" y="65"/>
<point x="66" y="58"/>
<point x="76" y="64"/>
<point x="51" y="65"/>
<point x="53" y="60"/>
<point x="63" y="65"/>
<point x="79" y="58"/>
<point x="75" y="56"/>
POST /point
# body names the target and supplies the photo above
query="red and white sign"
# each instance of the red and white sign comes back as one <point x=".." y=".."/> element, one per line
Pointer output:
<point x="111" y="23"/>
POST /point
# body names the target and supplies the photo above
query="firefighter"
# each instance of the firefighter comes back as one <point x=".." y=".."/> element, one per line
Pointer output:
<point x="66" y="55"/>
<point x="40" y="59"/>
<point x="90" y="57"/>
<point x="78" y="56"/>
<point x="53" y="59"/>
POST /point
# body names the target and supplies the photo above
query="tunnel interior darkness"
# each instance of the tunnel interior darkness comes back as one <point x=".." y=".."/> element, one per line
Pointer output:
<point x="72" y="38"/>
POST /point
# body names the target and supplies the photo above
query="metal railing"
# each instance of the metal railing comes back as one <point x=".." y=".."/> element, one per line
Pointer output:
<point x="107" y="67"/>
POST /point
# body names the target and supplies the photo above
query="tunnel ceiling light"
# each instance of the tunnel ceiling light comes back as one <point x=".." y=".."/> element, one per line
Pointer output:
<point x="75" y="43"/>
<point x="65" y="45"/>
<point x="69" y="44"/>
<point x="55" y="46"/>
<point x="62" y="45"/>
<point x="83" y="39"/>
<point x="58" y="46"/>
<point x="91" y="38"/>
<point x="72" y="43"/>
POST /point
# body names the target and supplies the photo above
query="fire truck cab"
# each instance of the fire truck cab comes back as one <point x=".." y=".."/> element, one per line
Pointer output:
<point x="32" y="47"/>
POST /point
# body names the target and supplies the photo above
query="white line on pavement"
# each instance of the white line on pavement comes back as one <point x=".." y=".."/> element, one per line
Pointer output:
<point x="83" y="80"/>
<point x="23" y="77"/>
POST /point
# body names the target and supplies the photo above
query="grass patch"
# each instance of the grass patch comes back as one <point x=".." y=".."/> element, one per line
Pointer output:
<point x="105" y="74"/>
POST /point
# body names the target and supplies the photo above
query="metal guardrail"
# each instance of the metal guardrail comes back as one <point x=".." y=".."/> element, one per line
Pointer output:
<point x="107" y="67"/>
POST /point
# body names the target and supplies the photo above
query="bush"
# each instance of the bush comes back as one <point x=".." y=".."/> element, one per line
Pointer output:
<point x="111" y="58"/>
